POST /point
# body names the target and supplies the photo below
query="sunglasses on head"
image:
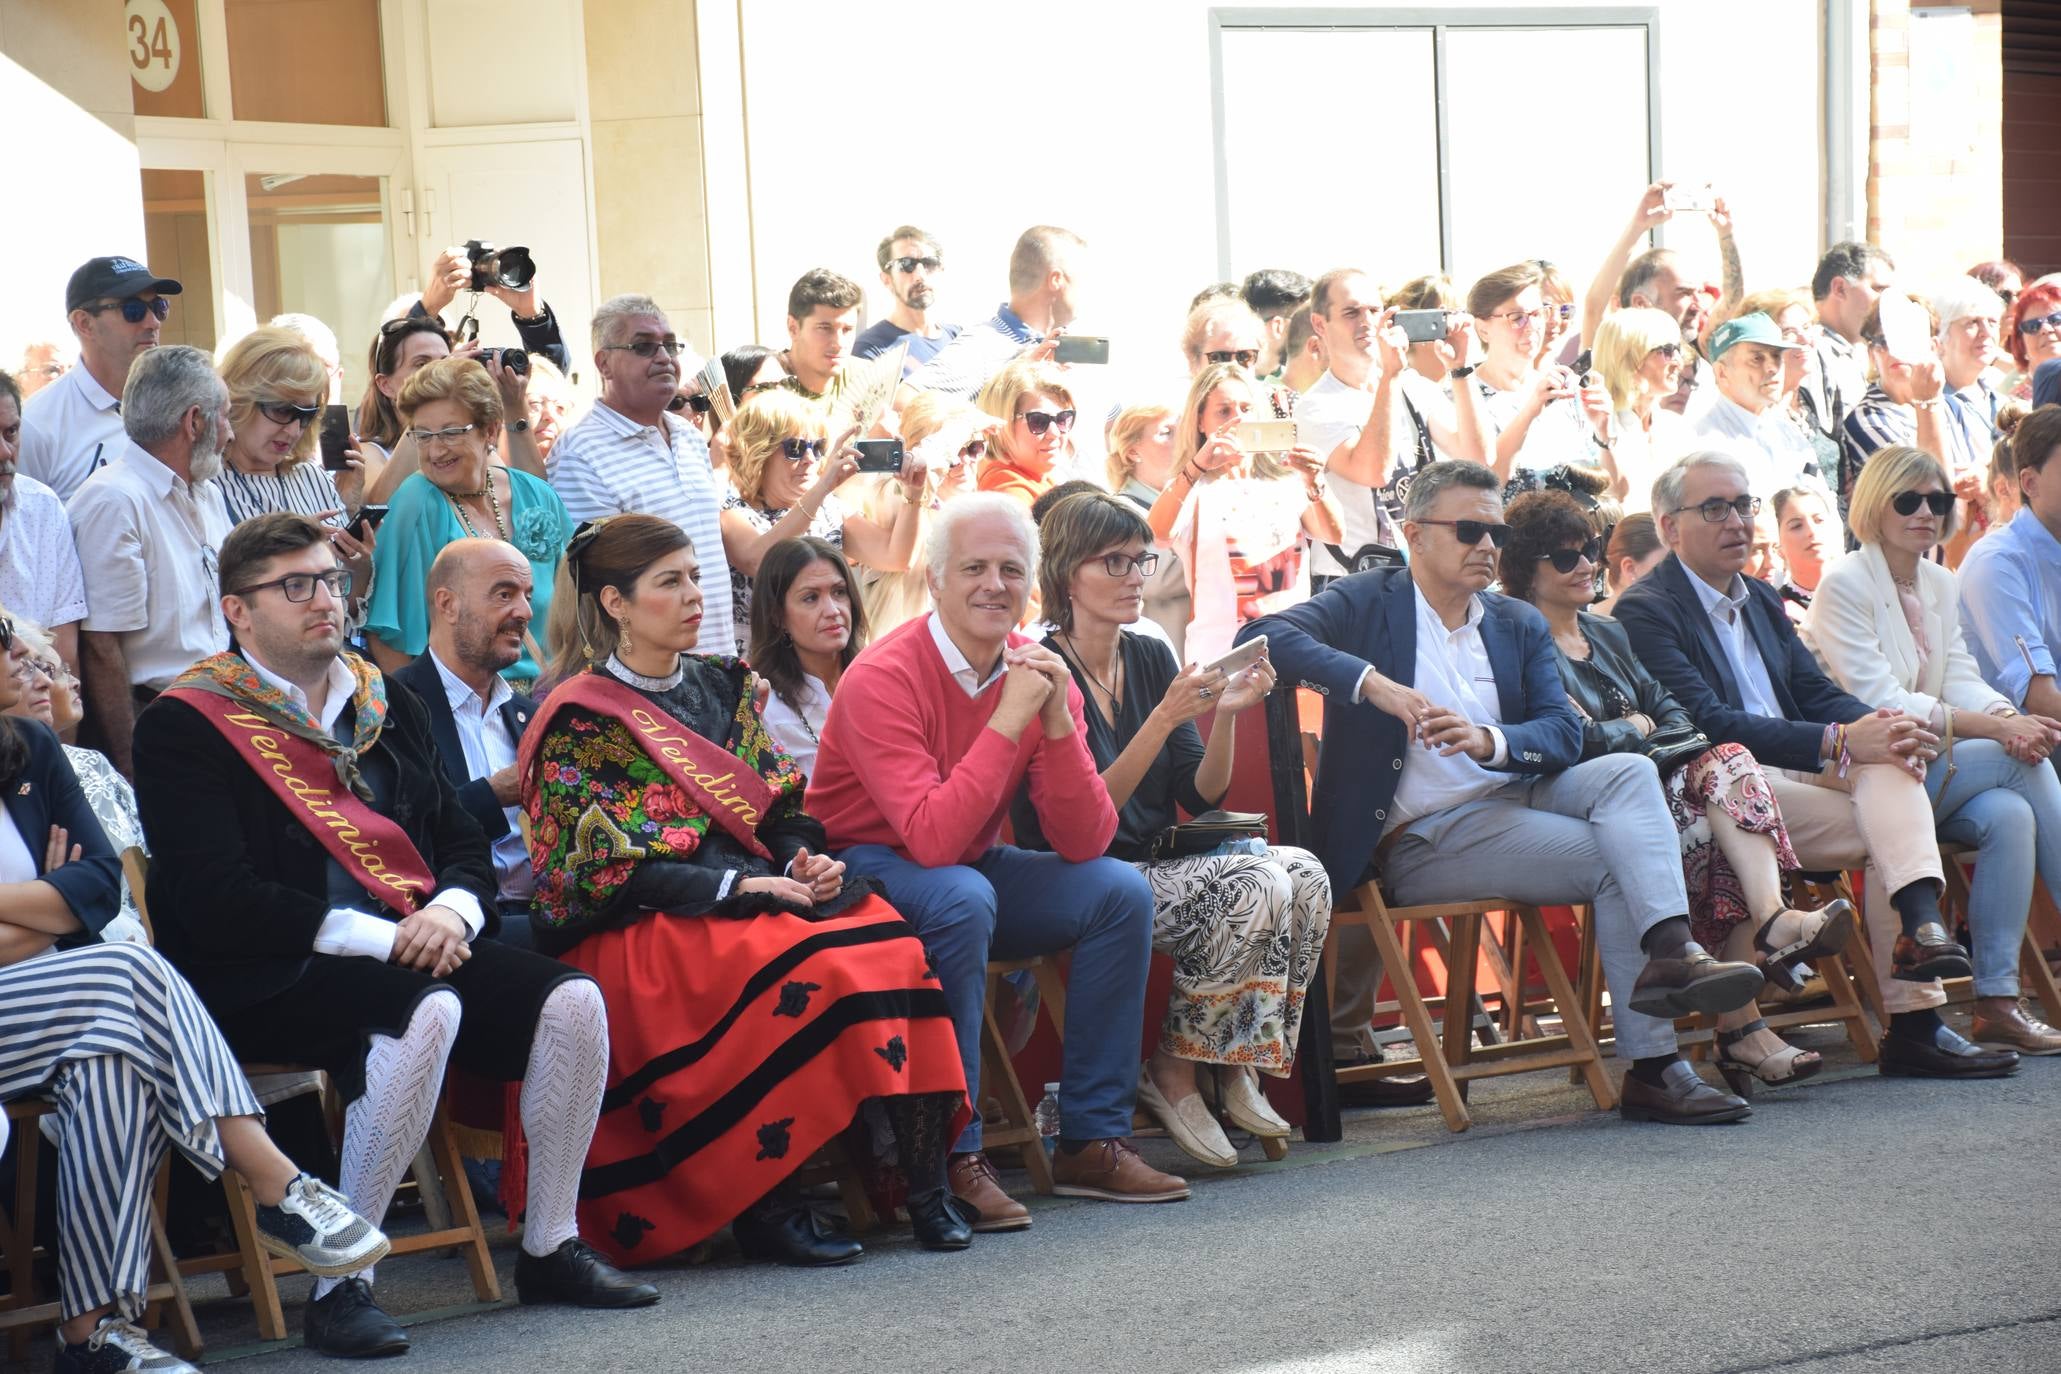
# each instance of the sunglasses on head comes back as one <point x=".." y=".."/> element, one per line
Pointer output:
<point x="1244" y="357"/>
<point x="798" y="449"/>
<point x="1471" y="532"/>
<point x="1907" y="502"/>
<point x="697" y="403"/>
<point x="1038" y="421"/>
<point x="1567" y="560"/>
<point x="285" y="413"/>
<point x="911" y="264"/>
<point x="135" y="308"/>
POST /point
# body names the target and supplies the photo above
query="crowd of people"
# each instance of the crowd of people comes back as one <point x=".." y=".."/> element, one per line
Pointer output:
<point x="682" y="761"/>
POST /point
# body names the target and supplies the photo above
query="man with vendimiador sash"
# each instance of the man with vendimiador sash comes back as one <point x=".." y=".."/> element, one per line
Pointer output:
<point x="315" y="878"/>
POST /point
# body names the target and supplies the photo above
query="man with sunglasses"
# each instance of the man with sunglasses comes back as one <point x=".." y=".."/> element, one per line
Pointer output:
<point x="1744" y="415"/>
<point x="1045" y="272"/>
<point x="911" y="262"/>
<point x="1462" y="781"/>
<point x="117" y="307"/>
<point x="1848" y="776"/>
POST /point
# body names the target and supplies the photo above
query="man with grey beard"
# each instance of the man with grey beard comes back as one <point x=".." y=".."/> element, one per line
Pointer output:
<point x="149" y="528"/>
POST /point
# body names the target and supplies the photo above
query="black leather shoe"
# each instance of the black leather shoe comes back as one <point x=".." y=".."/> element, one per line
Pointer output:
<point x="941" y="1221"/>
<point x="1414" y="1091"/>
<point x="1690" y="980"/>
<point x="575" y="1274"/>
<point x="1685" y="1100"/>
<point x="790" y="1233"/>
<point x="1946" y="1055"/>
<point x="348" y="1323"/>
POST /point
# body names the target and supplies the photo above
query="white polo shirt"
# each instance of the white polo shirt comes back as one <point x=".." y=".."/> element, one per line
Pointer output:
<point x="149" y="545"/>
<point x="68" y="430"/>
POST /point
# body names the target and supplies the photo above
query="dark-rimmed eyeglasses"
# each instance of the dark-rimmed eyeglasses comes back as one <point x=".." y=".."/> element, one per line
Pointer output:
<point x="1244" y="357"/>
<point x="299" y="587"/>
<point x="285" y="413"/>
<point x="911" y="264"/>
<point x="1472" y="532"/>
<point x="697" y="403"/>
<point x="135" y="308"/>
<point x="2039" y="325"/>
<point x="1567" y="560"/>
<point x="1038" y="421"/>
<point x="1907" y="502"/>
<point x="647" y="348"/>
<point x="1717" y="508"/>
<point x="798" y="449"/>
<point x="1120" y="564"/>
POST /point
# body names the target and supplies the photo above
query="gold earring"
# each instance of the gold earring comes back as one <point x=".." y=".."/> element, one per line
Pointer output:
<point x="622" y="643"/>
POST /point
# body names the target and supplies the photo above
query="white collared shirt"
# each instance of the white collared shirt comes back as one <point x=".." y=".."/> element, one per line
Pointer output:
<point x="347" y="930"/>
<point x="1727" y="611"/>
<point x="1774" y="450"/>
<point x="69" y="430"/>
<point x="483" y="735"/>
<point x="1453" y="670"/>
<point x="799" y="730"/>
<point x="148" y="542"/>
<point x="956" y="663"/>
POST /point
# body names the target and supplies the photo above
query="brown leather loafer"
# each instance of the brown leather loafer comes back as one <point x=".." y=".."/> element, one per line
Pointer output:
<point x="1691" y="980"/>
<point x="1686" y="1100"/>
<point x="1932" y="954"/>
<point x="1113" y="1171"/>
<point x="974" y="1183"/>
<point x="2013" y="1029"/>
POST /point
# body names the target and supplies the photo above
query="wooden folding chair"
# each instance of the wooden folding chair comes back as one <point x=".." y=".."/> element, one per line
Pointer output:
<point x="1018" y="1129"/>
<point x="2035" y="976"/>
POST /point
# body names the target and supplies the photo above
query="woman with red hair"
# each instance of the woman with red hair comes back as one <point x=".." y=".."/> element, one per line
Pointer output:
<point x="2032" y="330"/>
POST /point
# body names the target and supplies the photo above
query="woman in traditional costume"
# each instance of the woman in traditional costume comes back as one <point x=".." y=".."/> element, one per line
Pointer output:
<point x="757" y="996"/>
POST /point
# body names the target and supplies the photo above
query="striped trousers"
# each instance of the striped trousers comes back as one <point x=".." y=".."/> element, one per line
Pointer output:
<point x="119" y="1042"/>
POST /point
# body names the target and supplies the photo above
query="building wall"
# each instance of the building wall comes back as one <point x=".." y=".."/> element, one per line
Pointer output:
<point x="1936" y="176"/>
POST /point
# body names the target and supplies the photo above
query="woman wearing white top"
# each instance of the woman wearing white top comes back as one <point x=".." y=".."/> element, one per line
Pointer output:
<point x="1639" y="357"/>
<point x="807" y="625"/>
<point x="1886" y="621"/>
<point x="1535" y="417"/>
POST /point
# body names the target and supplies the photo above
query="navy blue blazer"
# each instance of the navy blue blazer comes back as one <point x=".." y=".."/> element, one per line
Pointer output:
<point x="1370" y="620"/>
<point x="47" y="793"/>
<point x="421" y="678"/>
<point x="1672" y="635"/>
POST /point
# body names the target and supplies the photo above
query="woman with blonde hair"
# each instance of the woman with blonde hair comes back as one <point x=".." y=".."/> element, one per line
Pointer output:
<point x="951" y="437"/>
<point x="783" y="479"/>
<point x="1239" y="520"/>
<point x="1036" y="410"/>
<point x="1141" y="459"/>
<point x="1639" y="354"/>
<point x="1886" y="620"/>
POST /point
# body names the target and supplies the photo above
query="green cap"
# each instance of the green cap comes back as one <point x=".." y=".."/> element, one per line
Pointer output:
<point x="1758" y="328"/>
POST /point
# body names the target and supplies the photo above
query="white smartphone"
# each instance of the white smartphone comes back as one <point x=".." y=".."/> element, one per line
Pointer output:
<point x="1264" y="436"/>
<point x="1240" y="658"/>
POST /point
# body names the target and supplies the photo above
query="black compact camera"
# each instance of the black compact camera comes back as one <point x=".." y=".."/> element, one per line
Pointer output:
<point x="514" y="359"/>
<point x="510" y="267"/>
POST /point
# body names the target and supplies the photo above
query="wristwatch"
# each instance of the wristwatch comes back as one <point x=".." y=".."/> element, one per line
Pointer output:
<point x="1462" y="372"/>
<point x="519" y="426"/>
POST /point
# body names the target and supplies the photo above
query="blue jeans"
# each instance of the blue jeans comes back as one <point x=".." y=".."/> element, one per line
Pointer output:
<point x="1015" y="903"/>
<point x="2011" y="814"/>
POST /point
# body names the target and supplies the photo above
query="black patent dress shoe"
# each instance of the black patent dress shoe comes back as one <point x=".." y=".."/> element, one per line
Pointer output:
<point x="348" y="1323"/>
<point x="1946" y="1055"/>
<point x="575" y="1274"/>
<point x="790" y="1233"/>
<point x="941" y="1221"/>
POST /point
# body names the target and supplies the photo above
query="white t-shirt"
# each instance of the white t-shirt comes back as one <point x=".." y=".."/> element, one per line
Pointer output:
<point x="1643" y="456"/>
<point x="69" y="430"/>
<point x="1331" y="413"/>
<point x="1559" y="434"/>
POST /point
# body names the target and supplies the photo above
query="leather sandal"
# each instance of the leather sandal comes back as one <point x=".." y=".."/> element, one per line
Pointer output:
<point x="1778" y="1068"/>
<point x="1822" y="933"/>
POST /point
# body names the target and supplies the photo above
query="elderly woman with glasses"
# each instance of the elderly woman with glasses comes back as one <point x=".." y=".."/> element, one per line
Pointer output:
<point x="1244" y="921"/>
<point x="1734" y="846"/>
<point x="453" y="414"/>
<point x="1886" y="621"/>
<point x="784" y="479"/>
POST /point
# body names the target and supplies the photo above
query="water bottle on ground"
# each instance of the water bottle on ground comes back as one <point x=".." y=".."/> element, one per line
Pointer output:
<point x="1046" y="1118"/>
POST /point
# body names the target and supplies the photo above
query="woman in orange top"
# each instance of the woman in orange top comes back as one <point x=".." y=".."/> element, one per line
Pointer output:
<point x="1037" y="415"/>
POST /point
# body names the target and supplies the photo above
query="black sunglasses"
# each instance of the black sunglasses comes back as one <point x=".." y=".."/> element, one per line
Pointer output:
<point x="1470" y="532"/>
<point x="798" y="449"/>
<point x="135" y="308"/>
<point x="1038" y="421"/>
<point x="1907" y="502"/>
<point x="284" y="413"/>
<point x="6" y="634"/>
<point x="1566" y="560"/>
<point x="911" y="264"/>
<point x="698" y="403"/>
<point x="1244" y="357"/>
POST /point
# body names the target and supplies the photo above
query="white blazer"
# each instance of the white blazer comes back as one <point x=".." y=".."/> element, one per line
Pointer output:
<point x="1856" y="625"/>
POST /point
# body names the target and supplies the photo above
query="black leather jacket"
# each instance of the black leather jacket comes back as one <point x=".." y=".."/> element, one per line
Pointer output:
<point x="1606" y="731"/>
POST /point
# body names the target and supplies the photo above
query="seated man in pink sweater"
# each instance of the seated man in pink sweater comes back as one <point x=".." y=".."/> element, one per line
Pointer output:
<point x="932" y="731"/>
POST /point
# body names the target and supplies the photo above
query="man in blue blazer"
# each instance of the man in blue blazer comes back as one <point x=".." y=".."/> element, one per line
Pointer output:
<point x="1841" y="770"/>
<point x="479" y="610"/>
<point x="1449" y="764"/>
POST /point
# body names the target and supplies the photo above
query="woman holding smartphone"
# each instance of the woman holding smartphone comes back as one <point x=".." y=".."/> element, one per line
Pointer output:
<point x="1245" y="921"/>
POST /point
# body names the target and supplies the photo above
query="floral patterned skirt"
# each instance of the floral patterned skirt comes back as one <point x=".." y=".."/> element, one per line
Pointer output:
<point x="1725" y="776"/>
<point x="1245" y="932"/>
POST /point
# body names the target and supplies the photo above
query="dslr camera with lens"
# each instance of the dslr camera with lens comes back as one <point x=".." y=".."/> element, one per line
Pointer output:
<point x="514" y="359"/>
<point x="511" y="267"/>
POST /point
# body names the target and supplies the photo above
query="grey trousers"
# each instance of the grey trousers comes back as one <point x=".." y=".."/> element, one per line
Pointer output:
<point x="1598" y="833"/>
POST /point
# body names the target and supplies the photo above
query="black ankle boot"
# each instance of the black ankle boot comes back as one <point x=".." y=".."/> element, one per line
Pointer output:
<point x="941" y="1221"/>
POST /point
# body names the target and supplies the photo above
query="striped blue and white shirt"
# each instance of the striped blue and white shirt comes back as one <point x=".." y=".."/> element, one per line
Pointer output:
<point x="608" y="464"/>
<point x="963" y="366"/>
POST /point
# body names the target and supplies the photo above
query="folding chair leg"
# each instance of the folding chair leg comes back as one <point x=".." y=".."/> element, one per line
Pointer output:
<point x="257" y="1267"/>
<point x="185" y="1330"/>
<point x="1464" y="948"/>
<point x="998" y="1076"/>
<point x="1578" y="1029"/>
<point x="444" y="1148"/>
<point x="1418" y="1018"/>
<point x="2038" y="978"/>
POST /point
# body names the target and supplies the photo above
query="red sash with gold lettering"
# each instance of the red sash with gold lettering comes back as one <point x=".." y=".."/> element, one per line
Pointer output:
<point x="728" y="792"/>
<point x="371" y="848"/>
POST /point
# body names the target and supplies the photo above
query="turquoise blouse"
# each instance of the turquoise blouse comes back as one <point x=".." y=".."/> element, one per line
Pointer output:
<point x="420" y="521"/>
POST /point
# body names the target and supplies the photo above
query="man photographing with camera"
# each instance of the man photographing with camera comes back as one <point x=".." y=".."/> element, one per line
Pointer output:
<point x="510" y="277"/>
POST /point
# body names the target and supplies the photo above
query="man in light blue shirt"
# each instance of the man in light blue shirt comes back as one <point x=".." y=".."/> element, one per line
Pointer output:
<point x="2011" y="581"/>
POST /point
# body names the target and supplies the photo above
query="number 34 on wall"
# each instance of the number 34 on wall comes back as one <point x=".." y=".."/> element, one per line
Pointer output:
<point x="154" y="44"/>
